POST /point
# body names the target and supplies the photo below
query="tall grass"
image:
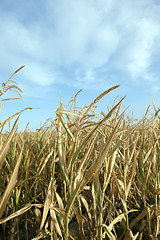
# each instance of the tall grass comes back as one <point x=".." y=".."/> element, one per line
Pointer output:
<point x="83" y="176"/>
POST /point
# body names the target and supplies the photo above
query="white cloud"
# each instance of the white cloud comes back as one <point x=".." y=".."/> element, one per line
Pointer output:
<point x="141" y="49"/>
<point x="74" y="42"/>
<point x="39" y="74"/>
<point x="155" y="89"/>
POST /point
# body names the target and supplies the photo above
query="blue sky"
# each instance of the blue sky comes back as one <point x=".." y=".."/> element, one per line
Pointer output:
<point x="67" y="45"/>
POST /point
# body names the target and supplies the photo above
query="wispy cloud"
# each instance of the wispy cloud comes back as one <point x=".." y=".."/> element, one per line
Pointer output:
<point x="81" y="43"/>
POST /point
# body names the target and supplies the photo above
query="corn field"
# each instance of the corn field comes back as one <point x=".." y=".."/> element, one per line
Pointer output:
<point x="82" y="175"/>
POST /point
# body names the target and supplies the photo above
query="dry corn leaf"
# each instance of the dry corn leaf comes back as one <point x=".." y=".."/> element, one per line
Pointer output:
<point x="94" y="201"/>
<point x="133" y="172"/>
<point x="6" y="99"/>
<point x="46" y="160"/>
<point x="100" y="97"/>
<point x="15" y="73"/>
<point x="10" y="186"/>
<point x="117" y="184"/>
<point x="157" y="226"/>
<point x="80" y="170"/>
<point x="108" y="232"/>
<point x="110" y="168"/>
<point x="116" y="220"/>
<point x="16" y="214"/>
<point x="59" y="211"/>
<point x="62" y="111"/>
<point x="86" y="207"/>
<point x="139" y="217"/>
<point x="62" y="162"/>
<point x="47" y="203"/>
<point x="61" y="118"/>
<point x="55" y="221"/>
<point x="74" y="100"/>
<point x="88" y="153"/>
<point x="59" y="200"/>
<point x="10" y="118"/>
<point x="98" y="162"/>
<point x="129" y="235"/>
<point x="5" y="146"/>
